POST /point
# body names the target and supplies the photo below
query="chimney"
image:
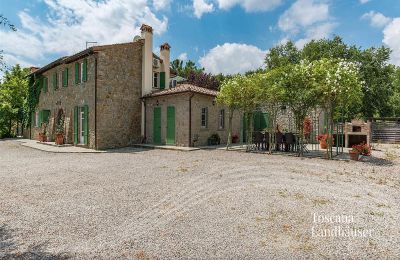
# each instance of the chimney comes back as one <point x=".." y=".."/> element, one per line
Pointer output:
<point x="147" y="62"/>
<point x="165" y="56"/>
<point x="147" y="68"/>
<point x="33" y="69"/>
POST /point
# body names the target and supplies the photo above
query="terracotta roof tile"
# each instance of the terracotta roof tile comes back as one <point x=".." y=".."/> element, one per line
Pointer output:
<point x="182" y="88"/>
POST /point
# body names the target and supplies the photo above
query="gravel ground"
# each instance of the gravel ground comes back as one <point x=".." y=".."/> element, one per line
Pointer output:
<point x="133" y="203"/>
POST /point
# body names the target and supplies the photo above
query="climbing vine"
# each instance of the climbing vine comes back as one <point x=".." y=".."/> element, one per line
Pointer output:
<point x="35" y="83"/>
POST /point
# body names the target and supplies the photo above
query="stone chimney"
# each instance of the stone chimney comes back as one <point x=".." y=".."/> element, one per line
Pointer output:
<point x="33" y="69"/>
<point x="165" y="56"/>
<point x="147" y="68"/>
<point x="147" y="63"/>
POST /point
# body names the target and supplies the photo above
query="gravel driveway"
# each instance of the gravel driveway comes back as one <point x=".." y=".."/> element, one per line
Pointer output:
<point x="133" y="203"/>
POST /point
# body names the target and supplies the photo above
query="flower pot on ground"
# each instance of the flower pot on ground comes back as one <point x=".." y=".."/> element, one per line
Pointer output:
<point x="59" y="139"/>
<point x="235" y="139"/>
<point x="362" y="149"/>
<point x="324" y="139"/>
<point x="43" y="133"/>
<point x="60" y="129"/>
<point x="354" y="155"/>
<point x="214" y="139"/>
<point x="42" y="137"/>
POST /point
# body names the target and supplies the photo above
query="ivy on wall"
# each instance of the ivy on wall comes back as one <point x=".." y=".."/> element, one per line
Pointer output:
<point x="35" y="87"/>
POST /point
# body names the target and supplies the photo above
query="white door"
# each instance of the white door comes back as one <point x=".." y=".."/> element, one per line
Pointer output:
<point x="81" y="126"/>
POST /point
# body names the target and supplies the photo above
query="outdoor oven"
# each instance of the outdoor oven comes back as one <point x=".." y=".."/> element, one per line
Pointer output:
<point x="357" y="132"/>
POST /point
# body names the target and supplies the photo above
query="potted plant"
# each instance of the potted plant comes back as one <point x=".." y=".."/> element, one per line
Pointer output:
<point x="324" y="139"/>
<point x="214" y="139"/>
<point x="43" y="133"/>
<point x="235" y="138"/>
<point x="358" y="150"/>
<point x="60" y="131"/>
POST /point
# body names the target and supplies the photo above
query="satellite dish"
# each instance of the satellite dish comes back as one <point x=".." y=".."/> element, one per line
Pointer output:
<point x="136" y="38"/>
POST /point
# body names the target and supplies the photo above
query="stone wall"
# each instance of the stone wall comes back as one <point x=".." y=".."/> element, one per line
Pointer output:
<point x="181" y="104"/>
<point x="119" y="80"/>
<point x="202" y="134"/>
<point x="67" y="98"/>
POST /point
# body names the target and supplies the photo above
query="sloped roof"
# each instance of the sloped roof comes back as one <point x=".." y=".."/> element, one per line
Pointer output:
<point x="86" y="52"/>
<point x="183" y="88"/>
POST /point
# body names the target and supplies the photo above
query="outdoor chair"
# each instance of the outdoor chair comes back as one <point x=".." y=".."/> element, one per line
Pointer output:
<point x="290" y="142"/>
<point x="266" y="140"/>
<point x="258" y="140"/>
<point x="279" y="141"/>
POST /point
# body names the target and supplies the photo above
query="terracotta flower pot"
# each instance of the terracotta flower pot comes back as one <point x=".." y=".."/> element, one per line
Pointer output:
<point x="323" y="144"/>
<point x="59" y="139"/>
<point x="354" y="156"/>
<point x="42" y="137"/>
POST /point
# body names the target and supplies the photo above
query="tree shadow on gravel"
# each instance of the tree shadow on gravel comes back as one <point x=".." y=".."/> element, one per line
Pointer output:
<point x="376" y="161"/>
<point x="9" y="249"/>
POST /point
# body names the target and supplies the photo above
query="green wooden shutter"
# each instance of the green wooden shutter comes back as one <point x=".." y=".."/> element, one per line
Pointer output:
<point x="84" y="76"/>
<point x="45" y="116"/>
<point x="76" y="73"/>
<point x="86" y="124"/>
<point x="40" y="118"/>
<point x="162" y="80"/>
<point x="45" y="84"/>
<point x="76" y="129"/>
<point x="264" y="121"/>
<point x="55" y="80"/>
<point x="65" y="78"/>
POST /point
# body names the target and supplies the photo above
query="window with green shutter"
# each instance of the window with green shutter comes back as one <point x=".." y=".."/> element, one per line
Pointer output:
<point x="162" y="80"/>
<point x="65" y="77"/>
<point x="55" y="82"/>
<point x="45" y="84"/>
<point x="77" y="73"/>
<point x="76" y="126"/>
<point x="45" y="116"/>
<point x="86" y="124"/>
<point x="84" y="70"/>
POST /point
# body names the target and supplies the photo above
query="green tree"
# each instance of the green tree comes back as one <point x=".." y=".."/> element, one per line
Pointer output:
<point x="229" y="91"/>
<point x="375" y="70"/>
<point x="4" y="21"/>
<point x="272" y="96"/>
<point x="13" y="96"/>
<point x="338" y="87"/>
<point x="282" y="55"/>
<point x="394" y="100"/>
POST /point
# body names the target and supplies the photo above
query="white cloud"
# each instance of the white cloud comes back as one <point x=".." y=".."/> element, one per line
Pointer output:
<point x="320" y="31"/>
<point x="306" y="20"/>
<point x="250" y="5"/>
<point x="201" y="6"/>
<point x="301" y="14"/>
<point x="183" y="56"/>
<point x="231" y="58"/>
<point x="391" y="37"/>
<point x="207" y="6"/>
<point x="376" y="19"/>
<point x="161" y="4"/>
<point x="68" y="24"/>
<point x="364" y="1"/>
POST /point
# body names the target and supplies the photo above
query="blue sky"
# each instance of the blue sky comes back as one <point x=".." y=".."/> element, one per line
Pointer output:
<point x="227" y="36"/>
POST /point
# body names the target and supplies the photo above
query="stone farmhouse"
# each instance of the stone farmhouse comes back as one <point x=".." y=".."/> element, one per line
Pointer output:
<point x="120" y="94"/>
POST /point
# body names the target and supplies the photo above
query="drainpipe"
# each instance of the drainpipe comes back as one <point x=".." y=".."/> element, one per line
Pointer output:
<point x="144" y="119"/>
<point x="95" y="102"/>
<point x="190" y="119"/>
